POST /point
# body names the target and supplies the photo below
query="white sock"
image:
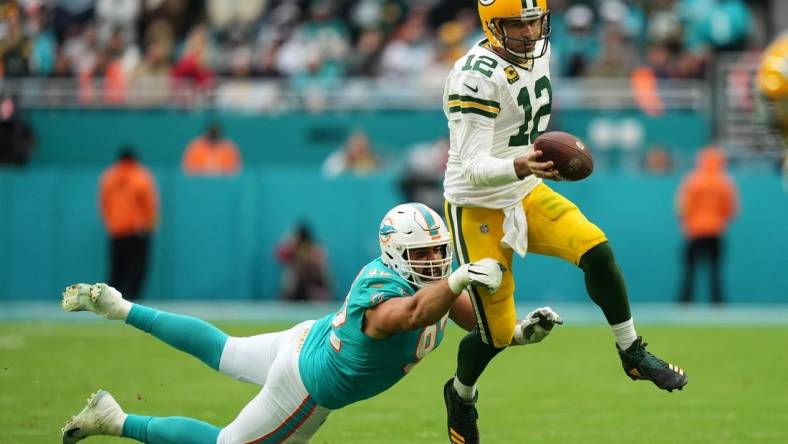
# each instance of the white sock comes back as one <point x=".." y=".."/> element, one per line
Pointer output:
<point x="122" y="312"/>
<point x="466" y="392"/>
<point x="116" y="307"/>
<point x="625" y="334"/>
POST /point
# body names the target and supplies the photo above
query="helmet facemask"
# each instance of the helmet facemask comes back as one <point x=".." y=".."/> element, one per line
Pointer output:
<point x="497" y="28"/>
<point x="423" y="272"/>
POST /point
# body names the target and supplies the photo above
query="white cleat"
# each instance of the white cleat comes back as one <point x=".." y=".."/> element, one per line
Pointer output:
<point x="102" y="416"/>
<point x="99" y="298"/>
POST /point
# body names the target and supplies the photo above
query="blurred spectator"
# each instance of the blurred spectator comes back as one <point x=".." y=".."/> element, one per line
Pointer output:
<point x="275" y="30"/>
<point x="706" y="202"/>
<point x="410" y="51"/>
<point x="617" y="55"/>
<point x="116" y="63"/>
<point x="725" y="26"/>
<point x="224" y="15"/>
<point x="62" y="66"/>
<point x="129" y="207"/>
<point x="160" y="33"/>
<point x="210" y="154"/>
<point x="81" y="49"/>
<point x="314" y="56"/>
<point x="658" y="161"/>
<point x="645" y="89"/>
<point x="451" y="44"/>
<point x="664" y="25"/>
<point x="42" y="61"/>
<point x="578" y="47"/>
<point x="356" y="157"/>
<point x="468" y="19"/>
<point x="690" y="65"/>
<point x="179" y="16"/>
<point x="16" y="48"/>
<point x="660" y="60"/>
<point x="364" y="60"/>
<point x="17" y="139"/>
<point x="318" y="43"/>
<point x="118" y="16"/>
<point x="237" y="55"/>
<point x="150" y="79"/>
<point x="71" y="15"/>
<point x="193" y="70"/>
<point x="305" y="276"/>
<point x="422" y="177"/>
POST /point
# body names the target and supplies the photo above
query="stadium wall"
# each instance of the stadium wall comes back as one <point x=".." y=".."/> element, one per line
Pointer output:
<point x="217" y="235"/>
<point x="91" y="137"/>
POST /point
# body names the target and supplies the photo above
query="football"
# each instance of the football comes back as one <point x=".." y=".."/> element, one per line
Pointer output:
<point x="570" y="156"/>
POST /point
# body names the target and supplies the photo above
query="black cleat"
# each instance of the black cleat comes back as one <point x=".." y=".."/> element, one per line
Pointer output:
<point x="640" y="364"/>
<point x="462" y="416"/>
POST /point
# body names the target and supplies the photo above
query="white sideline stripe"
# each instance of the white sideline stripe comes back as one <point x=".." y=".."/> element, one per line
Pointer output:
<point x="573" y="313"/>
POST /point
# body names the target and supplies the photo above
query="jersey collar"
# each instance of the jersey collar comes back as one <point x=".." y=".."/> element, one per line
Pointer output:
<point x="528" y="66"/>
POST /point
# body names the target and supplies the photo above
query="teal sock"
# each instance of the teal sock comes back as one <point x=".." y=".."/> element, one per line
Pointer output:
<point x="473" y="357"/>
<point x="605" y="283"/>
<point x="191" y="335"/>
<point x="172" y="429"/>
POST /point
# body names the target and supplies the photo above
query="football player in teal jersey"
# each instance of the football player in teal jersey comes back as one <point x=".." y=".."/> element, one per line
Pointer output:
<point x="393" y="315"/>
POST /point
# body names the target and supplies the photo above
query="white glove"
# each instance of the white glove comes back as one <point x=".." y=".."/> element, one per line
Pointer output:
<point x="485" y="272"/>
<point x="536" y="326"/>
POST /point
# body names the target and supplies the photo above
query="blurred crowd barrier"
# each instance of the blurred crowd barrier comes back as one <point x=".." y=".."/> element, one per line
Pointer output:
<point x="354" y="93"/>
<point x="217" y="236"/>
<point x="619" y="133"/>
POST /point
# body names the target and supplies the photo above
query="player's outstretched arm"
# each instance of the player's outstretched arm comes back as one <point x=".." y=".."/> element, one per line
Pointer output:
<point x="462" y="312"/>
<point x="431" y="303"/>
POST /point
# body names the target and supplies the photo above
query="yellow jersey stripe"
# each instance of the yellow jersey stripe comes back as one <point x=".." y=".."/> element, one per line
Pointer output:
<point x="465" y="104"/>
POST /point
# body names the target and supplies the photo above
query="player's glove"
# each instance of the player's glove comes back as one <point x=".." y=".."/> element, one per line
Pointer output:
<point x="484" y="272"/>
<point x="536" y="326"/>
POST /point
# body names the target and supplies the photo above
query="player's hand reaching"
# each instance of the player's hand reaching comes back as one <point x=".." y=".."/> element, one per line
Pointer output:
<point x="484" y="272"/>
<point x="527" y="165"/>
<point x="535" y="326"/>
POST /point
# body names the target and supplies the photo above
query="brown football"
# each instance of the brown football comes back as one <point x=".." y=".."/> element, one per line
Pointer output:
<point x="570" y="156"/>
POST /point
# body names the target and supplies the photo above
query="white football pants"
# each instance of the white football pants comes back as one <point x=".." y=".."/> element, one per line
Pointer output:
<point x="283" y="411"/>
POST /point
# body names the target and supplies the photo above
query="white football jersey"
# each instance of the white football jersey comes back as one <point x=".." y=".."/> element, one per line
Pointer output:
<point x="512" y="101"/>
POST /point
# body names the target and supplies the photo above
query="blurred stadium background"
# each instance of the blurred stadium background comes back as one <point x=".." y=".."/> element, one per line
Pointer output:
<point x="646" y="84"/>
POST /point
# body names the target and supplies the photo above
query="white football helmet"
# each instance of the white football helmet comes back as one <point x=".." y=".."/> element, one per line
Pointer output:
<point x="412" y="226"/>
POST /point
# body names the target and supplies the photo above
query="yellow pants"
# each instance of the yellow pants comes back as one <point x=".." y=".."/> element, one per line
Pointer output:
<point x="556" y="227"/>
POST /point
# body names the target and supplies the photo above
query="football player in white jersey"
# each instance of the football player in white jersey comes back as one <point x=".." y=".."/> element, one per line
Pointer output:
<point x="497" y="100"/>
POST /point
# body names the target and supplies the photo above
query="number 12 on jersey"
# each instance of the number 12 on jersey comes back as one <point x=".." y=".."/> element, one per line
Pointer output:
<point x="524" y="136"/>
<point x="484" y="65"/>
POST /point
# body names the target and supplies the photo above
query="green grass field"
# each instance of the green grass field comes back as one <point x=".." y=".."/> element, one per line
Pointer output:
<point x="570" y="389"/>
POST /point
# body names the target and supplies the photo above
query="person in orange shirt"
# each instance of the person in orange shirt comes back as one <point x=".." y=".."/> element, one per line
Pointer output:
<point x="209" y="154"/>
<point x="129" y="207"/>
<point x="706" y="202"/>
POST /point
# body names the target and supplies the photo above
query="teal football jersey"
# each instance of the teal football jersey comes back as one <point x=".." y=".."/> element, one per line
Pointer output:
<point x="340" y="365"/>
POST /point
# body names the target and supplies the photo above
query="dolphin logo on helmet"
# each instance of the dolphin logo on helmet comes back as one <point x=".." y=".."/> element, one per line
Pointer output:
<point x="412" y="226"/>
